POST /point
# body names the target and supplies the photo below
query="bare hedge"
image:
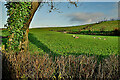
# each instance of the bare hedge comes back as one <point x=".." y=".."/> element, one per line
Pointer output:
<point x="26" y="66"/>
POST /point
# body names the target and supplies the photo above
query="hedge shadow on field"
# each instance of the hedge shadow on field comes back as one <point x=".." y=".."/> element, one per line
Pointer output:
<point x="39" y="44"/>
<point x="42" y="46"/>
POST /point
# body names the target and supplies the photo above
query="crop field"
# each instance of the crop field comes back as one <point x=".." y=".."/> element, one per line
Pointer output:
<point x="51" y="42"/>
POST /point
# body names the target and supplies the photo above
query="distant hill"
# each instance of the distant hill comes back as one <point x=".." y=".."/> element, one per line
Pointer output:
<point x="100" y="28"/>
<point x="106" y="26"/>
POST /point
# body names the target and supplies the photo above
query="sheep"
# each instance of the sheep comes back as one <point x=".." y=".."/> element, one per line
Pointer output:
<point x="73" y="35"/>
<point x="76" y="37"/>
<point x="104" y="38"/>
<point x="99" y="38"/>
<point x="65" y="32"/>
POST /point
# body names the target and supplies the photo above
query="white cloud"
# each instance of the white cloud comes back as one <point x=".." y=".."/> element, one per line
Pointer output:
<point x="85" y="17"/>
<point x="90" y="20"/>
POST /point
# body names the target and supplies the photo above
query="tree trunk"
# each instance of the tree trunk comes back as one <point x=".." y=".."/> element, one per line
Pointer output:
<point x="35" y="6"/>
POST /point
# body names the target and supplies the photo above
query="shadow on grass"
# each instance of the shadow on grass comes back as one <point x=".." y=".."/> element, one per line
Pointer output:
<point x="39" y="44"/>
<point x="42" y="46"/>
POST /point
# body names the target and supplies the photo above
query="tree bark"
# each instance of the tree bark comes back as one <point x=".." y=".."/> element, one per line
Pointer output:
<point x="35" y="6"/>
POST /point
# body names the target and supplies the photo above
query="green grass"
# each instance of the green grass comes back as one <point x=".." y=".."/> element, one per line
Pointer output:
<point x="64" y="44"/>
<point x="43" y="40"/>
<point x="108" y="26"/>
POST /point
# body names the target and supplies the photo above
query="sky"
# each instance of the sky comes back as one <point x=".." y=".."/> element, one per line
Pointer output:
<point x="69" y="15"/>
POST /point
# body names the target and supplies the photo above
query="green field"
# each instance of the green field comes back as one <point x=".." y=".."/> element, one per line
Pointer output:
<point x="51" y="41"/>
